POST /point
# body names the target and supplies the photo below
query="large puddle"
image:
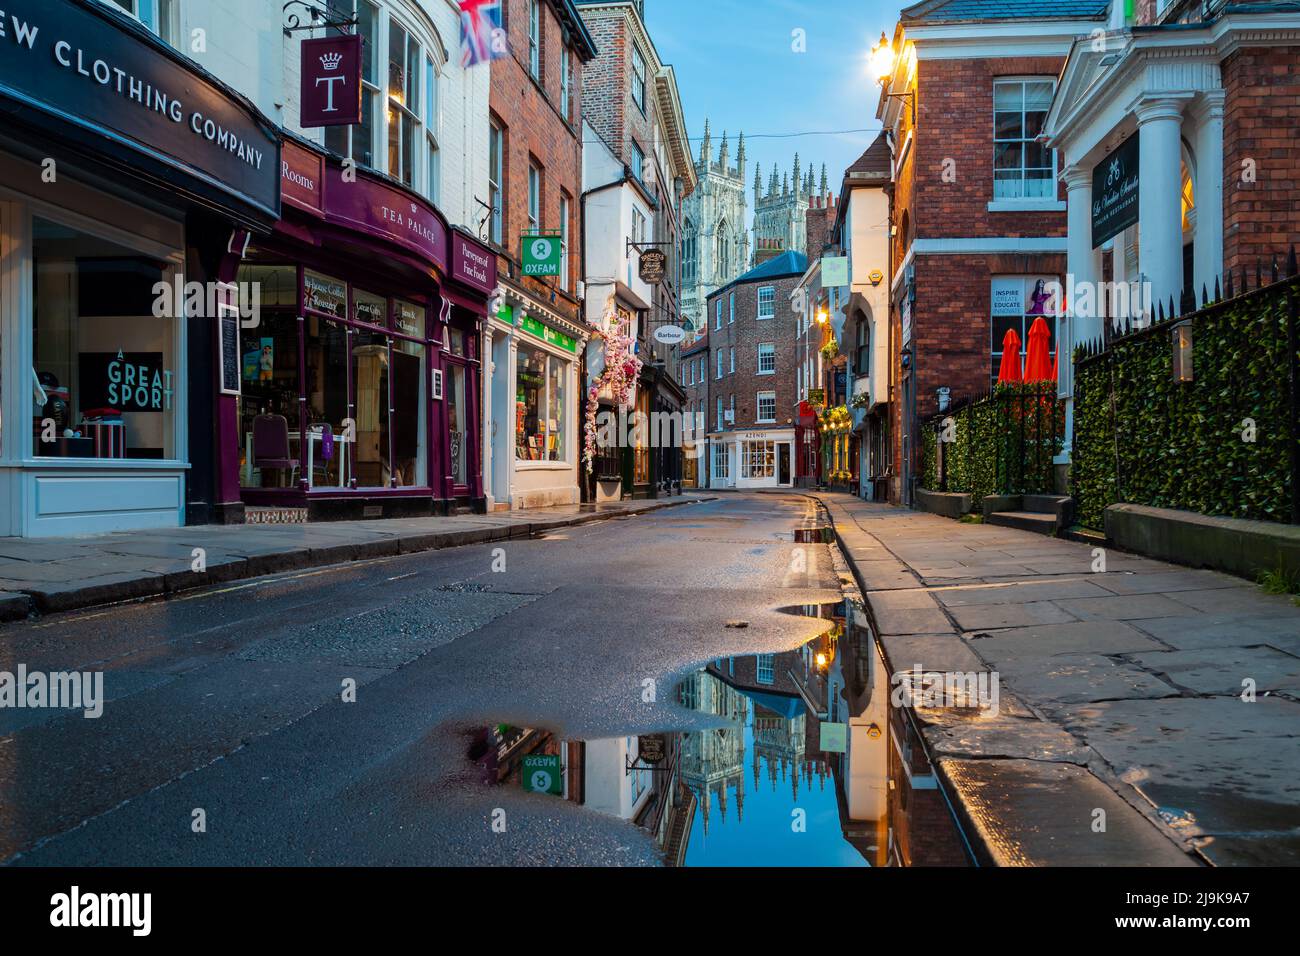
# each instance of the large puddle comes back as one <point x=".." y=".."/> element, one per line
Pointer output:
<point x="812" y="765"/>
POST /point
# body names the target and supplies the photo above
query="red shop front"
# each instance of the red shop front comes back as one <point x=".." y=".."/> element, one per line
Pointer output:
<point x="358" y="377"/>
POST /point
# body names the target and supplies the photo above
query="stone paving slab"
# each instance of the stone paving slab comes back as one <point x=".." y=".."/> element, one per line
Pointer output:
<point x="1132" y="678"/>
<point x="61" y="574"/>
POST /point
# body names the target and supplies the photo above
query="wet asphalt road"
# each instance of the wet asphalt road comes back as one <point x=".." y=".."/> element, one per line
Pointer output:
<point x="228" y="700"/>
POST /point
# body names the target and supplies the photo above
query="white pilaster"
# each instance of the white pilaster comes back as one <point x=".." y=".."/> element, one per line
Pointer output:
<point x="1160" y="216"/>
<point x="1083" y="263"/>
<point x="1207" y="187"/>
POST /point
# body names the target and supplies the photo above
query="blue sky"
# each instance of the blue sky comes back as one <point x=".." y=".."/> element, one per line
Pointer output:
<point x="735" y="64"/>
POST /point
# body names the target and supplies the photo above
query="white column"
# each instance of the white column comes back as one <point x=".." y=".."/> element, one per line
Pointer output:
<point x="1207" y="189"/>
<point x="1083" y="265"/>
<point x="1160" y="215"/>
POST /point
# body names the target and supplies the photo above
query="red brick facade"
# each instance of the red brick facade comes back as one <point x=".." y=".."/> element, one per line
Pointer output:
<point x="1261" y="112"/>
<point x="942" y="190"/>
<point x="743" y="337"/>
<point x="531" y="116"/>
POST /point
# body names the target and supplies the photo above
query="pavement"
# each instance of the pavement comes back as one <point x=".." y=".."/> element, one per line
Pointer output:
<point x="45" y="575"/>
<point x="1127" y="732"/>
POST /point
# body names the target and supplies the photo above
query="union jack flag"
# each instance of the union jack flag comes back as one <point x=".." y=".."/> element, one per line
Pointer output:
<point x="481" y="36"/>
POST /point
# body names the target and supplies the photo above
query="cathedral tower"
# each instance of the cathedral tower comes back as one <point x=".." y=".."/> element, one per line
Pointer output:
<point x="715" y="242"/>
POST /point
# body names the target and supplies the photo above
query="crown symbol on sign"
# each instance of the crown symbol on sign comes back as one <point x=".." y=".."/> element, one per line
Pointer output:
<point x="331" y="61"/>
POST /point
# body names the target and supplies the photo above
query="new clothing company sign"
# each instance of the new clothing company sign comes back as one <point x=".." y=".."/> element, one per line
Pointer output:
<point x="84" y="65"/>
<point x="331" y="81"/>
<point x="1115" y="192"/>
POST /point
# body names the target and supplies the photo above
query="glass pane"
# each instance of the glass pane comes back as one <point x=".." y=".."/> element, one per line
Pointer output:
<point x="336" y="139"/>
<point x="327" y="403"/>
<point x="530" y="391"/>
<point x="369" y="308"/>
<point x="270" y="393"/>
<point x="1034" y="123"/>
<point x="409" y="422"/>
<point x="104" y="366"/>
<point x="1037" y="156"/>
<point x="1007" y="126"/>
<point x="409" y="318"/>
<point x="456" y="341"/>
<point x="1008" y="96"/>
<point x="457" y="422"/>
<point x="396" y="61"/>
<point x="1008" y="185"/>
<point x="1039" y="184"/>
<point x="270" y="286"/>
<point x="363" y="136"/>
<point x="412" y="75"/>
<point x="555" y="424"/>
<point x="368" y="17"/>
<point x="1038" y="95"/>
<point x="394" y="142"/>
<point x="408" y="150"/>
<point x="325" y="294"/>
<point x="370" y="374"/>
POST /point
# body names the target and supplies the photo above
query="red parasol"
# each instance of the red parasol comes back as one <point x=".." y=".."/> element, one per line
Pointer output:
<point x="1009" y="370"/>
<point x="1038" y="367"/>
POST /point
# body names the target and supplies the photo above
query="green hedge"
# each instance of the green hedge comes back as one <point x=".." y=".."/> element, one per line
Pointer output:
<point x="1142" y="438"/>
<point x="1001" y="444"/>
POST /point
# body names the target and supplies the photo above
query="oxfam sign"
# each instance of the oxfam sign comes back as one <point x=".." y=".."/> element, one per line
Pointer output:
<point x="541" y="255"/>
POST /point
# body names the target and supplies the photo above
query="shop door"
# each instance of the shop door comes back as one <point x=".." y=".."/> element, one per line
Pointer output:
<point x="783" y="464"/>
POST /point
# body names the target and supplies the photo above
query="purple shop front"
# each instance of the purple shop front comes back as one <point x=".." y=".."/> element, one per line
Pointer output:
<point x="359" y="384"/>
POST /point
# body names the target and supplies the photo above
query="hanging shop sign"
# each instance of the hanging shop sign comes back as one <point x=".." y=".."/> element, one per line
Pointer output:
<point x="541" y="774"/>
<point x="653" y="266"/>
<point x="651" y="748"/>
<point x="541" y="255"/>
<point x="473" y="264"/>
<point x="835" y="271"/>
<point x="331" y="81"/>
<point x="669" y="334"/>
<point x="833" y="738"/>
<point x="1115" y="192"/>
<point x="94" y="76"/>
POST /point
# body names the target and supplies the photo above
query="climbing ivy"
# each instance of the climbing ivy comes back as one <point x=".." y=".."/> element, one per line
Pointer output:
<point x="1143" y="438"/>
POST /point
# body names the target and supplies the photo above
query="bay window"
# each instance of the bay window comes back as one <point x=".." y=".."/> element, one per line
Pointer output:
<point x="358" y="142"/>
<point x="541" y="392"/>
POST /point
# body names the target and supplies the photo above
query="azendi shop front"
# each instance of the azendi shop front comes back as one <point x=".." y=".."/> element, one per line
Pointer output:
<point x="358" y="389"/>
<point x="126" y="171"/>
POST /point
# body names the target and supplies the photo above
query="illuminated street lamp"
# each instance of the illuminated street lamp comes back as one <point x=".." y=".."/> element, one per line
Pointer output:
<point x="882" y="59"/>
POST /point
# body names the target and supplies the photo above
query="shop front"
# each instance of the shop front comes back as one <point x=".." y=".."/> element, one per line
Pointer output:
<point x="534" y="442"/>
<point x="129" y="180"/>
<point x="356" y="393"/>
<point x="753" y="459"/>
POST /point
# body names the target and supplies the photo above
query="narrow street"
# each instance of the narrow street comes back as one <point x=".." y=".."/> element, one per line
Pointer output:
<point x="228" y="700"/>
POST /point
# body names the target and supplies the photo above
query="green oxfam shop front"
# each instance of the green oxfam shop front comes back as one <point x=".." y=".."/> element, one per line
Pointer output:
<point x="532" y="436"/>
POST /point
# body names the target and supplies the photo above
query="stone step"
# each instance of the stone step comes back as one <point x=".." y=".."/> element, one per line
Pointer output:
<point x="1024" y="520"/>
<point x="1044" y="504"/>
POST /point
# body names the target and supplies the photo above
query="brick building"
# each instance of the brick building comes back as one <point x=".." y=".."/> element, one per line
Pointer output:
<point x="752" y="376"/>
<point x="533" y="346"/>
<point x="978" y="215"/>
<point x="693" y="376"/>
<point x="637" y="171"/>
<point x="1195" y="104"/>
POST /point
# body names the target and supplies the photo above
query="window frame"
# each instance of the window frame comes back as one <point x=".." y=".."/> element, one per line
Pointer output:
<point x="758" y="407"/>
<point x="496" y="190"/>
<point x="535" y="40"/>
<point x="638" y="78"/>
<point x="770" y="291"/>
<point x="771" y="354"/>
<point x="1023" y="140"/>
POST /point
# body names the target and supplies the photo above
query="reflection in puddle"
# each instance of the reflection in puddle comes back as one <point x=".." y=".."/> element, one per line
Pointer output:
<point x="811" y="767"/>
<point x="814" y="536"/>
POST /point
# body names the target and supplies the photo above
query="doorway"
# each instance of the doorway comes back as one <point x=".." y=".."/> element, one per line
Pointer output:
<point x="783" y="464"/>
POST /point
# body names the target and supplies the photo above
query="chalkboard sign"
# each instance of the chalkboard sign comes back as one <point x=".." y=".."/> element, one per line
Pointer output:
<point x="228" y="348"/>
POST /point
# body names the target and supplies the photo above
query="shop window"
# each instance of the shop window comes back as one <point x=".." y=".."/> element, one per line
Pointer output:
<point x="767" y="406"/>
<point x="323" y="293"/>
<point x="269" y="389"/>
<point x="276" y="286"/>
<point x="105" y="367"/>
<point x="328" y="407"/>
<point x="370" y="375"/>
<point x="757" y="459"/>
<point x="1017" y="301"/>
<point x="409" y="414"/>
<point x="540" y="402"/>
<point x="1023" y="168"/>
<point x="641" y="453"/>
<point x="358" y="142"/>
